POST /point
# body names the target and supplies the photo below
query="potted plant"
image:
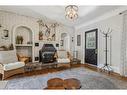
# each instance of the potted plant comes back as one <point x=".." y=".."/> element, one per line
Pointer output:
<point x="21" y="39"/>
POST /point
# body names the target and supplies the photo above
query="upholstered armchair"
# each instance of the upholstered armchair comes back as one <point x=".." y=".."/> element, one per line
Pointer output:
<point x="9" y="64"/>
<point x="63" y="56"/>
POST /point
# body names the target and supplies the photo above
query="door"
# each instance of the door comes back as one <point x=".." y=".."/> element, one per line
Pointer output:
<point x="91" y="46"/>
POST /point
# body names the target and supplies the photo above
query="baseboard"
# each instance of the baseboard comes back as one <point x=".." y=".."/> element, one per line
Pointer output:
<point x="93" y="67"/>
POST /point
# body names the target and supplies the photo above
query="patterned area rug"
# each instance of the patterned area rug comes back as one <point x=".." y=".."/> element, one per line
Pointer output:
<point x="3" y="84"/>
<point x="89" y="80"/>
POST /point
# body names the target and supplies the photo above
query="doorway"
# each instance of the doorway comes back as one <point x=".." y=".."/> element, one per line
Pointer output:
<point x="91" y="46"/>
<point x="65" y="45"/>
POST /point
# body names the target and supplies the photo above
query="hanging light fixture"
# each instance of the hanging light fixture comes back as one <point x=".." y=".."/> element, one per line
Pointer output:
<point x="71" y="12"/>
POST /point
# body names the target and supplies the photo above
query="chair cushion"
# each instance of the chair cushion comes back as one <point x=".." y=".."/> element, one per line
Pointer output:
<point x="62" y="54"/>
<point x="15" y="65"/>
<point x="63" y="60"/>
<point x="8" y="57"/>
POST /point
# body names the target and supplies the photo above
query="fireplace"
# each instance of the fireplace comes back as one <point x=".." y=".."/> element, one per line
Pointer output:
<point x="46" y="54"/>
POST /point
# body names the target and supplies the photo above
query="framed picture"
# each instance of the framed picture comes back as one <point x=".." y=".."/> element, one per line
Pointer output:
<point x="61" y="43"/>
<point x="78" y="40"/>
<point x="57" y="45"/>
<point x="5" y="34"/>
<point x="37" y="44"/>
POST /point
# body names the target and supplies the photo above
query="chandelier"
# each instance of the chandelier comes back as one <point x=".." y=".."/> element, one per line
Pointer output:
<point x="71" y="12"/>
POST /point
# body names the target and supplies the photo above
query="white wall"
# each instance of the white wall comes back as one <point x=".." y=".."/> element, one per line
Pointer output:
<point x="116" y="24"/>
<point x="10" y="20"/>
<point x="124" y="46"/>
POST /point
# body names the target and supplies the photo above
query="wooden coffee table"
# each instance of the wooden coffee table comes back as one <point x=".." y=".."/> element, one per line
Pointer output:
<point x="72" y="83"/>
<point x="58" y="83"/>
<point x="55" y="83"/>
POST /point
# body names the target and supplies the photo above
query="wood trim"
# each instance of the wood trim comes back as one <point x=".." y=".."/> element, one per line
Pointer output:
<point x="89" y="66"/>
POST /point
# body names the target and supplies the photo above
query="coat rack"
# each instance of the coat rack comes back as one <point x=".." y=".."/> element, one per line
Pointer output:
<point x="106" y="66"/>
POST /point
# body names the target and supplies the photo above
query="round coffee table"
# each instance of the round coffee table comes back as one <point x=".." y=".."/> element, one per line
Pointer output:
<point x="72" y="83"/>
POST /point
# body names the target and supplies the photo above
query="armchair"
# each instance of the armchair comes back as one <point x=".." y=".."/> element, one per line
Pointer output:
<point x="9" y="64"/>
<point x="63" y="56"/>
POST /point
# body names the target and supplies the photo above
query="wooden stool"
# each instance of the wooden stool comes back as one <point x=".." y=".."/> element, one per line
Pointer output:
<point x="55" y="83"/>
<point x="72" y="83"/>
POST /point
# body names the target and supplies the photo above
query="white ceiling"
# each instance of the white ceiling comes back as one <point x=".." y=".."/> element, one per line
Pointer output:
<point x="57" y="13"/>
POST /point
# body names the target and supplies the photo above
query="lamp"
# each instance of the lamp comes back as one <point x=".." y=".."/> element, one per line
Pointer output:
<point x="71" y="12"/>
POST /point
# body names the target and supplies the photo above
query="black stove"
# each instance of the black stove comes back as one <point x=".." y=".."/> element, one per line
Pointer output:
<point x="46" y="54"/>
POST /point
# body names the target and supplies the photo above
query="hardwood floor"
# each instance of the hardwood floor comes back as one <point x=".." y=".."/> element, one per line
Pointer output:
<point x="47" y="70"/>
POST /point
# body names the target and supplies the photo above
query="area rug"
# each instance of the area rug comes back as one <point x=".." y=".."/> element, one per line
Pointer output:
<point x="3" y="84"/>
<point x="89" y="80"/>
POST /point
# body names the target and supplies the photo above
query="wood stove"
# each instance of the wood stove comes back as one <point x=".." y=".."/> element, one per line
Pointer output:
<point x="46" y="54"/>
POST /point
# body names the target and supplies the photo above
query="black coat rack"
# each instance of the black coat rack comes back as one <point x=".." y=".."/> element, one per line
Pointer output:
<point x="106" y="66"/>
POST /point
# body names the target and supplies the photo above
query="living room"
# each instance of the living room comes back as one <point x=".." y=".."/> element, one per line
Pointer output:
<point x="45" y="47"/>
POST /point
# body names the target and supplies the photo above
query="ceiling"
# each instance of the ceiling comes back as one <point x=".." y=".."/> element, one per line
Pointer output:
<point x="57" y="13"/>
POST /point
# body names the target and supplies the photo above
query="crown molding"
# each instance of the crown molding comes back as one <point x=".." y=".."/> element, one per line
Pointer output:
<point x="103" y="17"/>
